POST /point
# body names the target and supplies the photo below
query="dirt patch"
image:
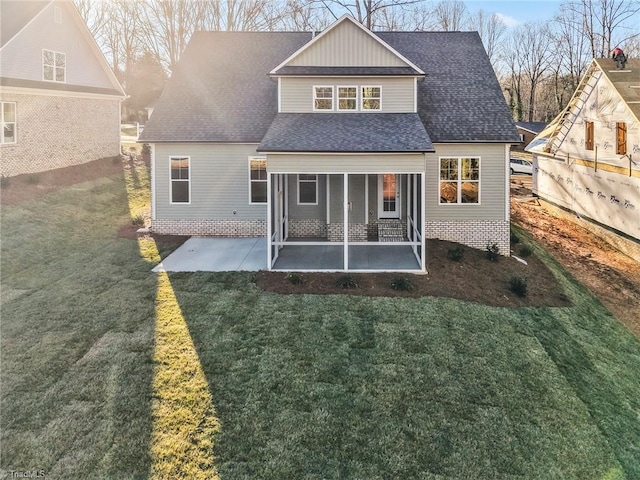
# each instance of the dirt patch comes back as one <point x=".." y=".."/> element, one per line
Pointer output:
<point x="474" y="278"/>
<point x="611" y="276"/>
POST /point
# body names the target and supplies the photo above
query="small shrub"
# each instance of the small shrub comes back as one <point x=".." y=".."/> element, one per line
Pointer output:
<point x="33" y="179"/>
<point x="518" y="285"/>
<point x="295" y="278"/>
<point x="525" y="251"/>
<point x="514" y="238"/>
<point x="4" y="181"/>
<point x="138" y="221"/>
<point x="403" y="284"/>
<point x="493" y="252"/>
<point x="146" y="148"/>
<point x="455" y="253"/>
<point x="346" y="281"/>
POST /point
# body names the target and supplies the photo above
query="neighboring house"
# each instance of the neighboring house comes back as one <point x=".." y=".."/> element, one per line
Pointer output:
<point x="60" y="101"/>
<point x="527" y="132"/>
<point x="342" y="145"/>
<point x="587" y="160"/>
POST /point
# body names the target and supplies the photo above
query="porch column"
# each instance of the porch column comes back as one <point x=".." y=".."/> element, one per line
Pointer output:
<point x="345" y="221"/>
<point x="423" y="222"/>
<point x="269" y="217"/>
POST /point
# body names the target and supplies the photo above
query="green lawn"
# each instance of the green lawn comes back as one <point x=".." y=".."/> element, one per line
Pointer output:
<point x="111" y="371"/>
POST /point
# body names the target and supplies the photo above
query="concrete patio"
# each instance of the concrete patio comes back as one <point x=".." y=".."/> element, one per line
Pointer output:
<point x="208" y="254"/>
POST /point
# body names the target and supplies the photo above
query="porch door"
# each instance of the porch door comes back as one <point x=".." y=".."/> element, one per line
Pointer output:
<point x="388" y="196"/>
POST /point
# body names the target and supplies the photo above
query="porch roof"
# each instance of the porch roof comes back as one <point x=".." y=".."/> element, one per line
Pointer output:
<point x="346" y="133"/>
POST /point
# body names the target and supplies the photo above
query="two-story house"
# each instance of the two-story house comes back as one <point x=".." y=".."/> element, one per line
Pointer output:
<point x="59" y="100"/>
<point x="587" y="160"/>
<point x="342" y="148"/>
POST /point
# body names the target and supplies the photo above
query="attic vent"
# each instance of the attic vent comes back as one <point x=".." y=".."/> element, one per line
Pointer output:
<point x="57" y="14"/>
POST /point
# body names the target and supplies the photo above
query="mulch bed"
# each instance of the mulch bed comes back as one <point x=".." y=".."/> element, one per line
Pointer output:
<point x="474" y="279"/>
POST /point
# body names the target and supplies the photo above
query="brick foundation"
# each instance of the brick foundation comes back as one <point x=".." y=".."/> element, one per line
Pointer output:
<point x="313" y="227"/>
<point x="59" y="131"/>
<point x="473" y="233"/>
<point x="214" y="228"/>
<point x="357" y="232"/>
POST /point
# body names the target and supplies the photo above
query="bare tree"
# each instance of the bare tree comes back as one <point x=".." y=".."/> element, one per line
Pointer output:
<point x="365" y="11"/>
<point x="167" y="25"/>
<point x="94" y="15"/>
<point x="603" y="22"/>
<point x="534" y="56"/>
<point x="491" y="30"/>
<point x="450" y="15"/>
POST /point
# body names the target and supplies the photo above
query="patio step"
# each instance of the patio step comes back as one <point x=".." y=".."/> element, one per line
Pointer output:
<point x="390" y="231"/>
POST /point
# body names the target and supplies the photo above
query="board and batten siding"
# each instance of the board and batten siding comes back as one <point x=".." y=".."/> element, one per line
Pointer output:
<point x="493" y="178"/>
<point x="359" y="163"/>
<point x="296" y="93"/>
<point x="22" y="56"/>
<point x="219" y="182"/>
<point x="346" y="45"/>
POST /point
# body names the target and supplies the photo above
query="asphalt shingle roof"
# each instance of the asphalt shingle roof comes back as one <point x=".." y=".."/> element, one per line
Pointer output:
<point x="346" y="132"/>
<point x="221" y="91"/>
<point x="626" y="82"/>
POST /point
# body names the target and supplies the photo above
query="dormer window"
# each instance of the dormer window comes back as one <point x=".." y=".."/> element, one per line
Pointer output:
<point x="371" y="98"/>
<point x="323" y="98"/>
<point x="347" y="98"/>
<point x="54" y="66"/>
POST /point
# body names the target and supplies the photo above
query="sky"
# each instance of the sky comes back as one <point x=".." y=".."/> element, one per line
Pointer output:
<point x="515" y="12"/>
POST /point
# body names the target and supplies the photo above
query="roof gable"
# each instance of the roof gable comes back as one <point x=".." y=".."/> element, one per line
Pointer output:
<point x="55" y="26"/>
<point x="221" y="91"/>
<point x="16" y="15"/>
<point x="347" y="43"/>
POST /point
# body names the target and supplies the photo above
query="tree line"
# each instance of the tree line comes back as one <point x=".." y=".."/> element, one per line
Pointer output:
<point x="538" y="65"/>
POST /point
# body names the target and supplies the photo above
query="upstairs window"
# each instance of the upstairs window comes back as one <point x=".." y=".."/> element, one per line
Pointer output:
<point x="257" y="180"/>
<point x="347" y="98"/>
<point x="54" y="66"/>
<point x="180" y="180"/>
<point x="371" y="98"/>
<point x="621" y="138"/>
<point x="588" y="135"/>
<point x="459" y="180"/>
<point x="8" y="118"/>
<point x="323" y="98"/>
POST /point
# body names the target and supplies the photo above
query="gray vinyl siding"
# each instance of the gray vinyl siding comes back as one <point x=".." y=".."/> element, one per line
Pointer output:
<point x="22" y="56"/>
<point x="493" y="177"/>
<point x="347" y="45"/>
<point x="296" y="94"/>
<point x="356" y="197"/>
<point x="219" y="182"/>
<point x="368" y="163"/>
<point x="298" y="212"/>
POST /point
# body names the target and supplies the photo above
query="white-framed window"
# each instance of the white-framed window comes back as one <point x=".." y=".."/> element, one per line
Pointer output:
<point x="8" y="117"/>
<point x="307" y="189"/>
<point x="347" y="98"/>
<point x="180" y="179"/>
<point x="257" y="180"/>
<point x="323" y="98"/>
<point x="371" y="98"/>
<point x="54" y="66"/>
<point x="459" y="180"/>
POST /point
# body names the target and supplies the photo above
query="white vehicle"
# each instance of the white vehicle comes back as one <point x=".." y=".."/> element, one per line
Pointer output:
<point x="519" y="165"/>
